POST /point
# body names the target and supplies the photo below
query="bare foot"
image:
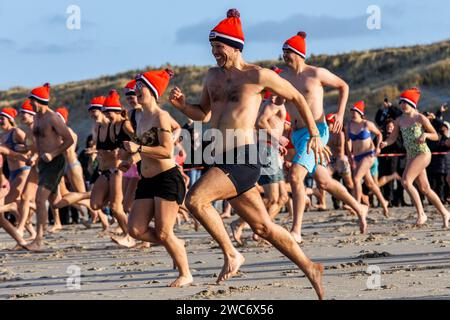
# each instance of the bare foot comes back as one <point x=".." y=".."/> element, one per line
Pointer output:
<point x="231" y="267"/>
<point x="315" y="277"/>
<point x="385" y="204"/>
<point x="445" y="219"/>
<point x="320" y="207"/>
<point x="35" y="247"/>
<point x="362" y="219"/>
<point x="297" y="237"/>
<point x="350" y="209"/>
<point x="118" y="231"/>
<point x="126" y="242"/>
<point x="19" y="247"/>
<point x="56" y="228"/>
<point x="421" y="220"/>
<point x="182" y="281"/>
<point x="20" y="232"/>
<point x="236" y="231"/>
<point x="142" y="245"/>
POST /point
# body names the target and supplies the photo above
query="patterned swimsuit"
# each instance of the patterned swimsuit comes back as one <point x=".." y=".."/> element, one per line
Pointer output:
<point x="410" y="135"/>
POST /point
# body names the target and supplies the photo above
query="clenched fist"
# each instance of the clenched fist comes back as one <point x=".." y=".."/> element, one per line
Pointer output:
<point x="177" y="98"/>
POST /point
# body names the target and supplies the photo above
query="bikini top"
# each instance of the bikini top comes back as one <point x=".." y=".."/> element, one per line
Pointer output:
<point x="121" y="136"/>
<point x="10" y="140"/>
<point x="362" y="135"/>
<point x="108" y="144"/>
<point x="150" y="137"/>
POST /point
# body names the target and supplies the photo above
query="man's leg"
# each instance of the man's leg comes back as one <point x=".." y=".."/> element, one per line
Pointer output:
<point x="251" y="208"/>
<point x="324" y="181"/>
<point x="212" y="186"/>
<point x="42" y="216"/>
<point x="297" y="178"/>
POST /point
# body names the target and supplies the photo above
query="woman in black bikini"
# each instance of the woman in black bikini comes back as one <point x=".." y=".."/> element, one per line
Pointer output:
<point x="161" y="189"/>
<point x="108" y="186"/>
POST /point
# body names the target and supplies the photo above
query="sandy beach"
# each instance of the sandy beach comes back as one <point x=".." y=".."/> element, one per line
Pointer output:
<point x="414" y="263"/>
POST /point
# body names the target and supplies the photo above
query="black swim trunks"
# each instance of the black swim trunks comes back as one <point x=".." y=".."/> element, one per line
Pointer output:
<point x="51" y="173"/>
<point x="244" y="168"/>
<point x="168" y="185"/>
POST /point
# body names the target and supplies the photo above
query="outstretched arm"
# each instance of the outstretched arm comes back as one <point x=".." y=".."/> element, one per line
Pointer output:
<point x="329" y="79"/>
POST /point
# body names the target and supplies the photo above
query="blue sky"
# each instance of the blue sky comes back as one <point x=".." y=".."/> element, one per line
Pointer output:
<point x="115" y="36"/>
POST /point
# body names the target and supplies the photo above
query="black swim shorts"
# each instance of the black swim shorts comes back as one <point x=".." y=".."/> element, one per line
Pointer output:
<point x="168" y="185"/>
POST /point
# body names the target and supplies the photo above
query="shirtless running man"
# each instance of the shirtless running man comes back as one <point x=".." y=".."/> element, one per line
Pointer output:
<point x="231" y="96"/>
<point x="310" y="81"/>
<point x="271" y="119"/>
<point x="52" y="139"/>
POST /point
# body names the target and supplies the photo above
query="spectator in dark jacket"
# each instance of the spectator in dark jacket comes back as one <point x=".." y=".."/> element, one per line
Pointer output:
<point x="386" y="112"/>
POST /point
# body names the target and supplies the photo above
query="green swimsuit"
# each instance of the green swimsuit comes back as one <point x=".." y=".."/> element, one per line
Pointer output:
<point x="410" y="135"/>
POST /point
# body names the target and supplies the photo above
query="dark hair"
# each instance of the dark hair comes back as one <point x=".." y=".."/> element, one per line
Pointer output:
<point x="89" y="139"/>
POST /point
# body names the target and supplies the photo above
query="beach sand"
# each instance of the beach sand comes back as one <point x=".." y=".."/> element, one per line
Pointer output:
<point x="414" y="263"/>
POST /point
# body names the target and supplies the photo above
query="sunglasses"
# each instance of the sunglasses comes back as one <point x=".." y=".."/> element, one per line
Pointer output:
<point x="139" y="85"/>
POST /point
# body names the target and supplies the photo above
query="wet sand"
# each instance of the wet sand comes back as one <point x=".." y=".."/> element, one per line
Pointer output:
<point x="414" y="263"/>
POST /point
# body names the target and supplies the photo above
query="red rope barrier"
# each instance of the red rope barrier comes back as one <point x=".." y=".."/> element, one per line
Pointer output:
<point x="404" y="154"/>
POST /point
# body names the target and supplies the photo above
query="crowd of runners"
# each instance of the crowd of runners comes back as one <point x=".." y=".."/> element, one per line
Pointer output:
<point x="271" y="139"/>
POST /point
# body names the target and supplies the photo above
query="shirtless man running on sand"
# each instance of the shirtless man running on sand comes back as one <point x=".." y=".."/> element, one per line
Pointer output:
<point x="52" y="138"/>
<point x="310" y="81"/>
<point x="231" y="96"/>
<point x="271" y="120"/>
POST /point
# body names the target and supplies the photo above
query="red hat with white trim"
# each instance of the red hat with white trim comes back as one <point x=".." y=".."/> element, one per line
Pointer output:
<point x="112" y="102"/>
<point x="297" y="44"/>
<point x="41" y="94"/>
<point x="411" y="97"/>
<point x="156" y="81"/>
<point x="359" y="107"/>
<point x="63" y="112"/>
<point x="229" y="31"/>
<point x="97" y="103"/>
<point x="27" y="108"/>
<point x="9" y="113"/>
<point x="331" y="117"/>
<point x="130" y="88"/>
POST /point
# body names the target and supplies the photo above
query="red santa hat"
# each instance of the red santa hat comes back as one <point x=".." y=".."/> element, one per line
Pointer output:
<point x="41" y="94"/>
<point x="130" y="88"/>
<point x="63" y="112"/>
<point x="156" y="81"/>
<point x="411" y="97"/>
<point x="27" y="108"/>
<point x="331" y="117"/>
<point x="359" y="107"/>
<point x="112" y="102"/>
<point x="97" y="103"/>
<point x="229" y="31"/>
<point x="9" y="113"/>
<point x="297" y="44"/>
